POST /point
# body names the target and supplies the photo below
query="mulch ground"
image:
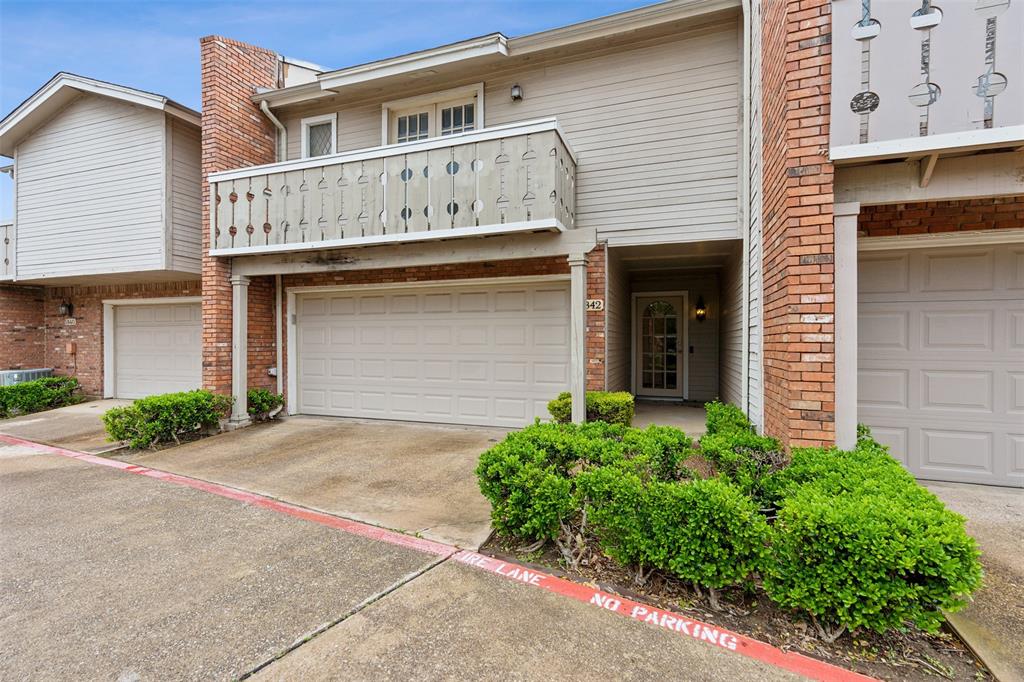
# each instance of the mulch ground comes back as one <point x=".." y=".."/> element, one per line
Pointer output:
<point x="911" y="656"/>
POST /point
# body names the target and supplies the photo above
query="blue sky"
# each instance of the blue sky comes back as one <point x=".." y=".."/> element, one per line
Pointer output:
<point x="154" y="45"/>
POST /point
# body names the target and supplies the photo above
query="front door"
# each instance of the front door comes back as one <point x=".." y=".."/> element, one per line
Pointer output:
<point x="659" y="346"/>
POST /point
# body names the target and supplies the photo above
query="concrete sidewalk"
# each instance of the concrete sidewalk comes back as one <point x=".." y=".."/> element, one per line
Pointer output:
<point x="993" y="624"/>
<point x="76" y="427"/>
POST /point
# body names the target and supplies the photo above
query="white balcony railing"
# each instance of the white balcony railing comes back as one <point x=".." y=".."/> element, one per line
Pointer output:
<point x="6" y="250"/>
<point x="514" y="178"/>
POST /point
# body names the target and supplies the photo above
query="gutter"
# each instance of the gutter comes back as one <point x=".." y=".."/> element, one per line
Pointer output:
<point x="283" y="142"/>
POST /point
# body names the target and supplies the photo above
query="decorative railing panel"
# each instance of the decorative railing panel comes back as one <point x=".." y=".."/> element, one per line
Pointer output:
<point x="6" y="250"/>
<point x="507" y="179"/>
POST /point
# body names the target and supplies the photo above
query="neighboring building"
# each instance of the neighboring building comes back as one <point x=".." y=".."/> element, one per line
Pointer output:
<point x="457" y="234"/>
<point x="100" y="270"/>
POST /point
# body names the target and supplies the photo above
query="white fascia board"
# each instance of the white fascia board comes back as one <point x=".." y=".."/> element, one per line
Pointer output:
<point x="546" y="225"/>
<point x="494" y="44"/>
<point x="497" y="132"/>
<point x="945" y="142"/>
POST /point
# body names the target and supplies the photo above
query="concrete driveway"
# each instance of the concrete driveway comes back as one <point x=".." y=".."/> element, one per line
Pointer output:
<point x="416" y="478"/>
<point x="77" y="427"/>
<point x="112" y="575"/>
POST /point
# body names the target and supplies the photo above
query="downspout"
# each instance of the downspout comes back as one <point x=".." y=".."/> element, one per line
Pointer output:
<point x="283" y="132"/>
<point x="279" y="340"/>
<point x="745" y="206"/>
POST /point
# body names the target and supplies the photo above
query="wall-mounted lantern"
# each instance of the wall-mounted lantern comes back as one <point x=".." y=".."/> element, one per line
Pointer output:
<point x="701" y="311"/>
<point x="517" y="92"/>
<point x="66" y="309"/>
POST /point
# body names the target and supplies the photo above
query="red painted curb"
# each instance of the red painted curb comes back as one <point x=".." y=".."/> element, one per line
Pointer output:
<point x="349" y="526"/>
<point x="673" y="622"/>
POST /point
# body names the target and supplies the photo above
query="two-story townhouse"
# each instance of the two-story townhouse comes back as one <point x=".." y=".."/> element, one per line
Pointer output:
<point x="100" y="267"/>
<point x="642" y="202"/>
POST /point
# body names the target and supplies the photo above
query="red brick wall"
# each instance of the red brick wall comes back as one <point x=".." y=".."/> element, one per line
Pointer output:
<point x="797" y="216"/>
<point x="596" y="331"/>
<point x="87" y="332"/>
<point x="262" y="337"/>
<point x="235" y="134"/>
<point x="21" y="327"/>
<point x="993" y="213"/>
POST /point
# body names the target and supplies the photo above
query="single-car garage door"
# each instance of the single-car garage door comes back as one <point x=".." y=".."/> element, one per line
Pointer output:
<point x="157" y="349"/>
<point x="461" y="354"/>
<point x="941" y="359"/>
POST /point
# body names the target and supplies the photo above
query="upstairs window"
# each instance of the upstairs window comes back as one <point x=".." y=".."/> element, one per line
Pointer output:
<point x="319" y="135"/>
<point x="451" y="112"/>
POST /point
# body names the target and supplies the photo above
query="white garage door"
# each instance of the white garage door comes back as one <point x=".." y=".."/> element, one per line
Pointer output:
<point x="461" y="354"/>
<point x="941" y="360"/>
<point x="157" y="349"/>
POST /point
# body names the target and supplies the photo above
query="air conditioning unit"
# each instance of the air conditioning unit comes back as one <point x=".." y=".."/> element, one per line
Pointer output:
<point x="9" y="377"/>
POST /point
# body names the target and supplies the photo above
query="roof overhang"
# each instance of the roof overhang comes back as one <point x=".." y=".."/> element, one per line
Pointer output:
<point x="493" y="48"/>
<point x="60" y="90"/>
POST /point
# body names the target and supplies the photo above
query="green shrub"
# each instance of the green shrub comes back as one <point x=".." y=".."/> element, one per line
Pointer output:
<point x="614" y="408"/>
<point x="706" y="532"/>
<point x="725" y="418"/>
<point x="163" y="418"/>
<point x="746" y="459"/>
<point x="859" y="543"/>
<point x="38" y="395"/>
<point x="261" y="402"/>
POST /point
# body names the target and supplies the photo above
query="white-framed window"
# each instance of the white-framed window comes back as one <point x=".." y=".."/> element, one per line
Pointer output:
<point x="319" y="135"/>
<point x="437" y="114"/>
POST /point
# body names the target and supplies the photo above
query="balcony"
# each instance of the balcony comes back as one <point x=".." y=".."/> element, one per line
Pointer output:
<point x="6" y="251"/>
<point x="502" y="180"/>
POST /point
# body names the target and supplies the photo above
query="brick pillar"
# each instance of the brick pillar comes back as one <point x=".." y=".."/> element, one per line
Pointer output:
<point x="595" y="343"/>
<point x="799" y="303"/>
<point x="22" y="327"/>
<point x="235" y="134"/>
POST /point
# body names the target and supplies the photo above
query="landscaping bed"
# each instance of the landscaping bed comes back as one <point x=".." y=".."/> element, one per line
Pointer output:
<point x="838" y="554"/>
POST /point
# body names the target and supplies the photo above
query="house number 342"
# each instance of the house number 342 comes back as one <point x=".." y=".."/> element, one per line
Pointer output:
<point x="595" y="304"/>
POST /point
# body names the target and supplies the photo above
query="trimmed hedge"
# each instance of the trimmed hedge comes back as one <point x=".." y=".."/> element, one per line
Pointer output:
<point x="260" y="403"/>
<point x="38" y="395"/>
<point x="849" y="539"/>
<point x="163" y="418"/>
<point x="613" y="408"/>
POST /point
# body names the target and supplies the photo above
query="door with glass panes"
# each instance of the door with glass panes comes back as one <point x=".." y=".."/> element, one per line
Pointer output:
<point x="660" y="345"/>
<point x="433" y="120"/>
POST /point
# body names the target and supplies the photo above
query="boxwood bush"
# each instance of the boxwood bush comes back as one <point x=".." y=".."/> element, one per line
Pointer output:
<point x="847" y="538"/>
<point x="614" y="408"/>
<point x="260" y="403"/>
<point x="165" y="418"/>
<point x="38" y="395"/>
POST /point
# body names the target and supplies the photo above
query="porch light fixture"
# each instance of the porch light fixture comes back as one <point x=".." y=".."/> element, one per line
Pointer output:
<point x="66" y="309"/>
<point x="701" y="311"/>
<point x="517" y="92"/>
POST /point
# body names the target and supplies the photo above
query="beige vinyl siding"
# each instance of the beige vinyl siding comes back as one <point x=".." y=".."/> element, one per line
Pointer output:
<point x="731" y="333"/>
<point x="755" y="390"/>
<point x="185" y="216"/>
<point x="90" y="191"/>
<point x="656" y="130"/>
<point x="702" y="336"/>
<point x="618" y="364"/>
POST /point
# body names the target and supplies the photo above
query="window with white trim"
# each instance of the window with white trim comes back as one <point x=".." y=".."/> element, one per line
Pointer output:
<point x="412" y="127"/>
<point x="319" y="135"/>
<point x="444" y="113"/>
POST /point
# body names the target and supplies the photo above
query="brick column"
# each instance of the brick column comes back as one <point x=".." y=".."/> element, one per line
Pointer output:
<point x="235" y="134"/>
<point x="596" y="337"/>
<point x="799" y="304"/>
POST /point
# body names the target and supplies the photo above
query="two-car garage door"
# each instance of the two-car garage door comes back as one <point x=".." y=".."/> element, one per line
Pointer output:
<point x="459" y="353"/>
<point x="941" y="359"/>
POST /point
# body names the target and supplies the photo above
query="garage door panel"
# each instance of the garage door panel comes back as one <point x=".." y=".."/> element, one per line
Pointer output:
<point x="475" y="355"/>
<point x="157" y="349"/>
<point x="938" y="361"/>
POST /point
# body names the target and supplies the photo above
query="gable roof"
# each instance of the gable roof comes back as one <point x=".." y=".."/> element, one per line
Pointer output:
<point x="64" y="87"/>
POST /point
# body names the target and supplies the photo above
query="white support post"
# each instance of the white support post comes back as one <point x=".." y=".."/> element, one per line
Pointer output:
<point x="239" y="350"/>
<point x="845" y="257"/>
<point x="578" y="336"/>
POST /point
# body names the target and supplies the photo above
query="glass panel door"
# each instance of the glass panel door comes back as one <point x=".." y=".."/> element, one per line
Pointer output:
<point x="660" y="344"/>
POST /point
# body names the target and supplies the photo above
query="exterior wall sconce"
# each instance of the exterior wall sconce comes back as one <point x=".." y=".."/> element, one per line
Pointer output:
<point x="517" y="92"/>
<point x="701" y="311"/>
<point x="66" y="309"/>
